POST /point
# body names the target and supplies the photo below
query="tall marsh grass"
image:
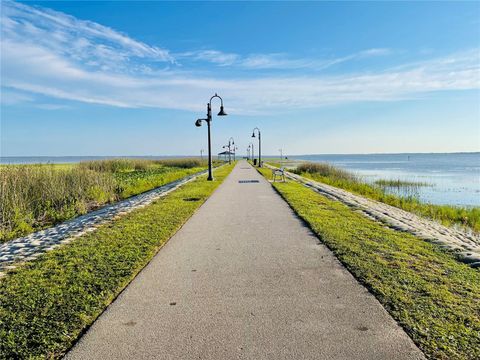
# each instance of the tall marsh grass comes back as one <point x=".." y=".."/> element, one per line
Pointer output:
<point x="327" y="170"/>
<point x="185" y="163"/>
<point x="126" y="164"/>
<point x="33" y="196"/>
<point x="116" y="165"/>
<point x="446" y="214"/>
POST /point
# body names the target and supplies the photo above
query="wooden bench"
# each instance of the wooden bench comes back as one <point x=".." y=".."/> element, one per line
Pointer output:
<point x="278" y="172"/>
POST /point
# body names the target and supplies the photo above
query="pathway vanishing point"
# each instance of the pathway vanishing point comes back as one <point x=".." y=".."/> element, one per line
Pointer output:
<point x="245" y="279"/>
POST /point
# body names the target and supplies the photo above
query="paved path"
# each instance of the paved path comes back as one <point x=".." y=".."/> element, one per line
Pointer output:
<point x="27" y="248"/>
<point x="245" y="279"/>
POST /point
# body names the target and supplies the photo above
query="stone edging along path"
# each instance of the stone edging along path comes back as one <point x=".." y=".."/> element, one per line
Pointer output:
<point x="465" y="245"/>
<point x="27" y="248"/>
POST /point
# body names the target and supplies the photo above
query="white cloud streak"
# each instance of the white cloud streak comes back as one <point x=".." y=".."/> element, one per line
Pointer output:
<point x="37" y="59"/>
<point x="212" y="56"/>
<point x="79" y="41"/>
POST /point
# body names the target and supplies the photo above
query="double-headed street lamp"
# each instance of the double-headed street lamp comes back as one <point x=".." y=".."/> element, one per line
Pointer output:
<point x="209" y="120"/>
<point x="259" y="146"/>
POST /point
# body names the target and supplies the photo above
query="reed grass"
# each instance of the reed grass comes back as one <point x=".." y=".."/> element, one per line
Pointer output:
<point x="467" y="217"/>
<point x="186" y="163"/>
<point x="128" y="164"/>
<point x="36" y="196"/>
<point x="398" y="183"/>
<point x="116" y="165"/>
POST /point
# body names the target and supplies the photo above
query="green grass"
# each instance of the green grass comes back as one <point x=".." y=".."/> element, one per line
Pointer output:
<point x="35" y="197"/>
<point x="446" y="214"/>
<point x="138" y="181"/>
<point x="47" y="303"/>
<point x="398" y="183"/>
<point x="432" y="296"/>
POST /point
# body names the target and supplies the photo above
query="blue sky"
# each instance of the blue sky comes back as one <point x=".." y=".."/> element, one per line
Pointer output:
<point x="130" y="78"/>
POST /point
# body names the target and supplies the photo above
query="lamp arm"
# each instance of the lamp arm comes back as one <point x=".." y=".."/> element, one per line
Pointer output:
<point x="216" y="96"/>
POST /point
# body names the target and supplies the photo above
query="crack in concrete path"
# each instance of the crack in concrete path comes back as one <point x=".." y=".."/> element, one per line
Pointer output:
<point x="27" y="248"/>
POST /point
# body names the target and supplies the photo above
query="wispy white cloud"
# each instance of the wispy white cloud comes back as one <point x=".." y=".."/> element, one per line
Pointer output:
<point x="37" y="58"/>
<point x="11" y="97"/>
<point x="282" y="61"/>
<point x="277" y="60"/>
<point x="79" y="41"/>
<point x="212" y="56"/>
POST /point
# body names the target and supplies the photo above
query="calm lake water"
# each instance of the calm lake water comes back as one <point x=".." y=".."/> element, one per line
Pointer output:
<point x="455" y="178"/>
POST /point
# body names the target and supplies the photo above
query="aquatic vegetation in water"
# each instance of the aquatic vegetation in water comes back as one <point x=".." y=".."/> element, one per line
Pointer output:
<point x="402" y="188"/>
<point x="402" y="194"/>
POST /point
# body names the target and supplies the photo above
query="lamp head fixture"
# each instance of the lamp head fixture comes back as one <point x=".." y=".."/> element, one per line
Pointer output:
<point x="222" y="111"/>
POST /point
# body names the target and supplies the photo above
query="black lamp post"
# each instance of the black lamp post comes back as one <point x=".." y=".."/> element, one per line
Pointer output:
<point x="231" y="142"/>
<point x="252" y="152"/>
<point x="259" y="146"/>
<point x="229" y="152"/>
<point x="209" y="120"/>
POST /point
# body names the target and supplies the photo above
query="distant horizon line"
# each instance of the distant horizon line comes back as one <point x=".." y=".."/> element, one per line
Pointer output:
<point x="264" y="155"/>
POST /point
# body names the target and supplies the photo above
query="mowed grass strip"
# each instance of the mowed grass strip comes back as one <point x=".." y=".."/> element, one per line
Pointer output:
<point x="47" y="303"/>
<point x="432" y="296"/>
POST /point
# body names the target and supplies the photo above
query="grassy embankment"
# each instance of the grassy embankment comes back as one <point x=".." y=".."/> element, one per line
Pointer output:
<point x="34" y="197"/>
<point x="434" y="298"/>
<point x="380" y="191"/>
<point x="47" y="303"/>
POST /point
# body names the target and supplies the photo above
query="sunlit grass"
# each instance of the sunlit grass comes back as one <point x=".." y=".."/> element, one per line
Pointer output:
<point x="435" y="298"/>
<point x="37" y="196"/>
<point x="405" y="194"/>
<point x="47" y="303"/>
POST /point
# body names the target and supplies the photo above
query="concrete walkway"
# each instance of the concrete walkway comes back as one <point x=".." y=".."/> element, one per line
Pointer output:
<point x="245" y="279"/>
